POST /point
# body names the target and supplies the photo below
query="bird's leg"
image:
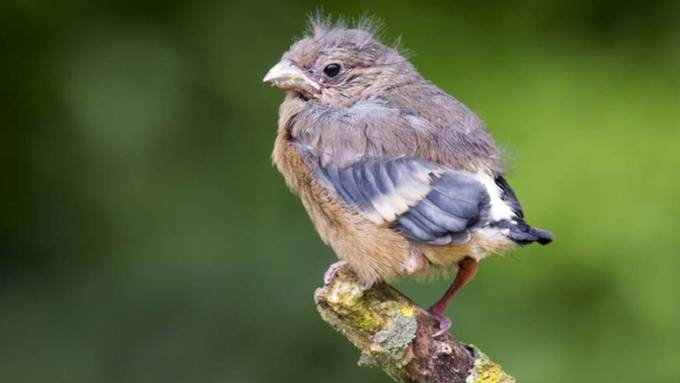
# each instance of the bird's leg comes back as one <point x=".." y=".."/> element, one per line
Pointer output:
<point x="467" y="268"/>
<point x="332" y="269"/>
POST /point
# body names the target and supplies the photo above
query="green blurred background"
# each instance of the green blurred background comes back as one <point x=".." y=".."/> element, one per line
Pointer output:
<point x="145" y="236"/>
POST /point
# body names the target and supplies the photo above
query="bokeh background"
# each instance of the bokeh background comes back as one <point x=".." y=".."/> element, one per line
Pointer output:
<point x="145" y="236"/>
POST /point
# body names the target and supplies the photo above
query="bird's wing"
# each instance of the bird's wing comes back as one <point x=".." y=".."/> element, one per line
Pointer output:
<point x="422" y="200"/>
<point x="508" y="196"/>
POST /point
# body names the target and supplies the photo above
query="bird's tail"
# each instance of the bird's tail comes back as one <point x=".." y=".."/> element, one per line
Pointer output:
<point x="523" y="234"/>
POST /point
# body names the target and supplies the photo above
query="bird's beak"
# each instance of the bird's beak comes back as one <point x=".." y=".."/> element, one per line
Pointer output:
<point x="286" y="75"/>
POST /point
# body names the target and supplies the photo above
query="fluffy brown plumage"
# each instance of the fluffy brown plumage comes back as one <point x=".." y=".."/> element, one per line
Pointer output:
<point x="398" y="177"/>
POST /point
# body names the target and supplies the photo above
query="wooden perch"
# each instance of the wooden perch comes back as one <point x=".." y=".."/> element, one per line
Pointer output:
<point x="395" y="334"/>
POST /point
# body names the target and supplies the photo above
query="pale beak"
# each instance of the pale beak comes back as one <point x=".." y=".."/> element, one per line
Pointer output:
<point x="286" y="75"/>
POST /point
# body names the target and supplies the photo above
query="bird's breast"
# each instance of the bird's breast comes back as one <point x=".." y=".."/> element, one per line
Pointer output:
<point x="374" y="251"/>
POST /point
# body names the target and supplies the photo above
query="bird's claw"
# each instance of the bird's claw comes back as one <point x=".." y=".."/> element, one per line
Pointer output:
<point x="332" y="270"/>
<point x="443" y="320"/>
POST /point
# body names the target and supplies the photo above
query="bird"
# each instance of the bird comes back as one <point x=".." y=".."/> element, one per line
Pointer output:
<point x="398" y="177"/>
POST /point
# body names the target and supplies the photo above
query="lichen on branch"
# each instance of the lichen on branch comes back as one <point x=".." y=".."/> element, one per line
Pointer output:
<point x="396" y="335"/>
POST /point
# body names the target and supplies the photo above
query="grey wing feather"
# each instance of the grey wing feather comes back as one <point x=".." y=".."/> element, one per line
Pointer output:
<point x="417" y="198"/>
<point x="456" y="203"/>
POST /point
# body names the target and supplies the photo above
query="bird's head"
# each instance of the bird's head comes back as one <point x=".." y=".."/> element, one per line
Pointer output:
<point x="337" y="65"/>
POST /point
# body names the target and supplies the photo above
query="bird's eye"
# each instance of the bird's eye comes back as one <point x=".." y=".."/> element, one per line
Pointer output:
<point x="332" y="70"/>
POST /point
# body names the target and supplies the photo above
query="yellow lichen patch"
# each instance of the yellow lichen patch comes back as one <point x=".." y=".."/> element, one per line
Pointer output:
<point x="486" y="371"/>
<point x="347" y="299"/>
<point x="366" y="319"/>
<point x="491" y="373"/>
<point x="407" y="311"/>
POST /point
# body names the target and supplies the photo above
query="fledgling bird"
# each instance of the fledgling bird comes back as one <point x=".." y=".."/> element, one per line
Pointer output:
<point x="397" y="176"/>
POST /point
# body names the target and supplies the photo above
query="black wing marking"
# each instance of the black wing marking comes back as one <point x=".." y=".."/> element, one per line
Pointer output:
<point x="517" y="229"/>
<point x="509" y="197"/>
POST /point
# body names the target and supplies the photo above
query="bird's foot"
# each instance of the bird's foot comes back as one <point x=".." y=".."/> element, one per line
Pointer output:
<point x="332" y="269"/>
<point x="443" y="321"/>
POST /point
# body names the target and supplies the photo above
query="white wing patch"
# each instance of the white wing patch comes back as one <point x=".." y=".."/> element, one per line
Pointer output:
<point x="401" y="197"/>
<point x="499" y="209"/>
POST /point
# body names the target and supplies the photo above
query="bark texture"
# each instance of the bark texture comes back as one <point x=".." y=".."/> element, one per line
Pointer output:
<point x="395" y="334"/>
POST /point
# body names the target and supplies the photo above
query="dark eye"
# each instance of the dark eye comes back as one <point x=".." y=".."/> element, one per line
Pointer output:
<point x="332" y="70"/>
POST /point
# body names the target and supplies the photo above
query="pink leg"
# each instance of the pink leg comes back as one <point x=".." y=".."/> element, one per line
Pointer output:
<point x="332" y="269"/>
<point x="467" y="268"/>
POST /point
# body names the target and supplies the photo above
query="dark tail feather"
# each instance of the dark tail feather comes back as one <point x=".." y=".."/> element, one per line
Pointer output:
<point x="520" y="232"/>
<point x="543" y="237"/>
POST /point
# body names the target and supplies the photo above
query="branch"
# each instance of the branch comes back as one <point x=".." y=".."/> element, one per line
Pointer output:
<point x="395" y="334"/>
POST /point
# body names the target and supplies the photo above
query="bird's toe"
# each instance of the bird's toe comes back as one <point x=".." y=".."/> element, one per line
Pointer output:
<point x="444" y="323"/>
<point x="332" y="269"/>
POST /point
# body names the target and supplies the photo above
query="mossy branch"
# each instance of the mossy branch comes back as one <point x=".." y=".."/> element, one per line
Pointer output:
<point x="396" y="335"/>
